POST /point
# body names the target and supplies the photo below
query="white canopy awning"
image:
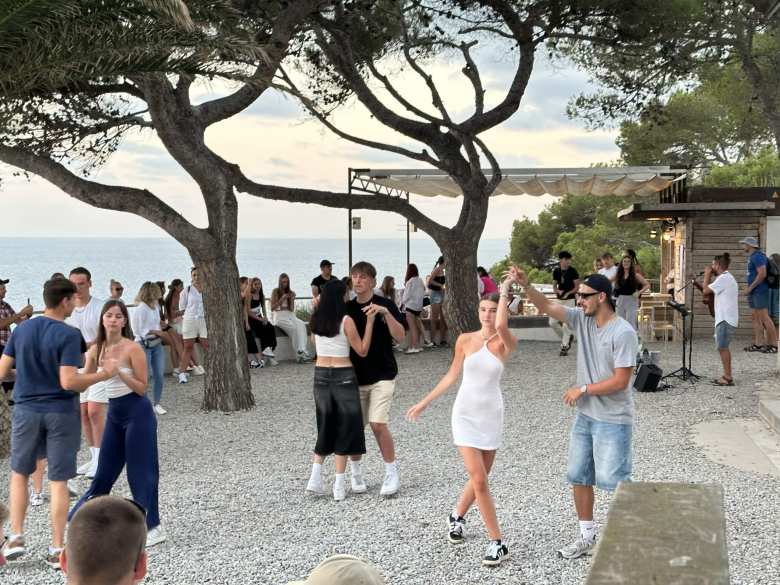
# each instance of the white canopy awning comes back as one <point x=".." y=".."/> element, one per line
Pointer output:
<point x="557" y="182"/>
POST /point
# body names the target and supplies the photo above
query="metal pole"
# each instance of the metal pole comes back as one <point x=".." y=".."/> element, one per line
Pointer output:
<point x="408" y="247"/>
<point x="349" y="223"/>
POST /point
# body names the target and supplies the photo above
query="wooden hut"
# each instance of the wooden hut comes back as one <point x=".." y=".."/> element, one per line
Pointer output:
<point x="701" y="222"/>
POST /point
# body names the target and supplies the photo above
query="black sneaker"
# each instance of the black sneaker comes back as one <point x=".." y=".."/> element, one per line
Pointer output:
<point x="457" y="525"/>
<point x="564" y="350"/>
<point x="496" y="552"/>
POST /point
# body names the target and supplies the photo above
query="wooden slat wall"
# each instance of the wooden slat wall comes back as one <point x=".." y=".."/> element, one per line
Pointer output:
<point x="712" y="234"/>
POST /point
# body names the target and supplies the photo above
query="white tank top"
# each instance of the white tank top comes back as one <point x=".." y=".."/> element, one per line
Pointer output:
<point x="337" y="346"/>
<point x="115" y="387"/>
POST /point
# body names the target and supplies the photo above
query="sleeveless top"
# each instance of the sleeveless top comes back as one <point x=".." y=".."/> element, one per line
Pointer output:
<point x="337" y="346"/>
<point x="478" y="411"/>
<point x="626" y="287"/>
<point x="115" y="387"/>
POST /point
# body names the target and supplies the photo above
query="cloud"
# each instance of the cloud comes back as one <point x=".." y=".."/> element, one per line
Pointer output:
<point x="597" y="143"/>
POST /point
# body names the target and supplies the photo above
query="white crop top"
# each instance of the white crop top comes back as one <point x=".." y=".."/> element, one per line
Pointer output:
<point x="337" y="346"/>
<point x="115" y="387"/>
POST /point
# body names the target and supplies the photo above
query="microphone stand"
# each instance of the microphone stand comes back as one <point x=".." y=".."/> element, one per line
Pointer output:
<point x="685" y="373"/>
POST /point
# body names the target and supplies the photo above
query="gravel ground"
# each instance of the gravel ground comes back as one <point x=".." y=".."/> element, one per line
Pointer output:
<point x="233" y="504"/>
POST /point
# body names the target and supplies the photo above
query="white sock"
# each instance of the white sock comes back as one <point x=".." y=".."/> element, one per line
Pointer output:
<point x="587" y="529"/>
<point x="316" y="469"/>
<point x="339" y="479"/>
<point x="94" y="452"/>
<point x="391" y="468"/>
<point x="355" y="467"/>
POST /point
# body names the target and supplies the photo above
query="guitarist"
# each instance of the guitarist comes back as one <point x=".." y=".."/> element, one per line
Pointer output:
<point x="725" y="291"/>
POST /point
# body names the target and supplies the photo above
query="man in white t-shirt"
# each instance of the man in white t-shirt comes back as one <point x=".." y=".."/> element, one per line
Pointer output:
<point x="94" y="401"/>
<point x="609" y="269"/>
<point x="726" y="291"/>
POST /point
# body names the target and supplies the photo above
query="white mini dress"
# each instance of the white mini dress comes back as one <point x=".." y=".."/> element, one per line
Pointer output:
<point x="478" y="412"/>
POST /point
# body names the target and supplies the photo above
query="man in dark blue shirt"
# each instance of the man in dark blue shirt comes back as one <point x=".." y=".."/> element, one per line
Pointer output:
<point x="45" y="354"/>
<point x="764" y="332"/>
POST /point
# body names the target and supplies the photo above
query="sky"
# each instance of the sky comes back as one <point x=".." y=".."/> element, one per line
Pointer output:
<point x="274" y="142"/>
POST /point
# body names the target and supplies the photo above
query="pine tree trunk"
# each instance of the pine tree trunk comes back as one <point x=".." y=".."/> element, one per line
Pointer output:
<point x="461" y="303"/>
<point x="227" y="386"/>
<point x="5" y="425"/>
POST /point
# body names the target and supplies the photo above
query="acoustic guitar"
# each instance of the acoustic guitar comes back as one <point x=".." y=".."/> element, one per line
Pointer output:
<point x="708" y="298"/>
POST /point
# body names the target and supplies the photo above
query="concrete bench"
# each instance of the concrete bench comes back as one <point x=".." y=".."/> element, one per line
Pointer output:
<point x="663" y="533"/>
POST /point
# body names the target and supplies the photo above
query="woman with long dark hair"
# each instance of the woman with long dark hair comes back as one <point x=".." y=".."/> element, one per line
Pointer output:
<point x="634" y="260"/>
<point x="130" y="436"/>
<point x="258" y="321"/>
<point x="336" y="393"/>
<point x="412" y="303"/>
<point x="283" y="312"/>
<point x="146" y="325"/>
<point x="436" y="282"/>
<point x="478" y="414"/>
<point x="627" y="284"/>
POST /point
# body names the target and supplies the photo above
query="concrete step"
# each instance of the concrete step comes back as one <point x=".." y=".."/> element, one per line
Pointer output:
<point x="769" y="410"/>
<point x="743" y="443"/>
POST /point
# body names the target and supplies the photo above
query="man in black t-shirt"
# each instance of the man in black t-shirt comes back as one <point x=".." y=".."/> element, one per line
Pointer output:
<point x="376" y="371"/>
<point x="325" y="276"/>
<point x="566" y="281"/>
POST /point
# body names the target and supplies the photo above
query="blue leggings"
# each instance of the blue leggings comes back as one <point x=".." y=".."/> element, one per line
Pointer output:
<point x="130" y="437"/>
<point x="155" y="361"/>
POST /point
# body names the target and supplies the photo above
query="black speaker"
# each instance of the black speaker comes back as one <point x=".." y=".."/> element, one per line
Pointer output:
<point x="647" y="378"/>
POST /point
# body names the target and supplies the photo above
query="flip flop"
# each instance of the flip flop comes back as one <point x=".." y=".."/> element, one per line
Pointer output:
<point x="723" y="381"/>
<point x="769" y="349"/>
<point x="754" y="347"/>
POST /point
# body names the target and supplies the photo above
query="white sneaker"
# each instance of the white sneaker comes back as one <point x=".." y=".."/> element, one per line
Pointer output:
<point x="255" y="364"/>
<point x="580" y="547"/>
<point x="92" y="470"/>
<point x="82" y="469"/>
<point x="155" y="536"/>
<point x="176" y="372"/>
<point x="268" y="352"/>
<point x="413" y="350"/>
<point x="358" y="483"/>
<point x="428" y="344"/>
<point x="198" y="371"/>
<point x="391" y="484"/>
<point x="273" y="361"/>
<point x="315" y="485"/>
<point x="36" y="498"/>
<point x="183" y="379"/>
<point x="160" y="410"/>
<point x="339" y="491"/>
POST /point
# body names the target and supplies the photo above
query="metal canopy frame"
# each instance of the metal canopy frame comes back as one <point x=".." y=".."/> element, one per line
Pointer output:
<point x="365" y="180"/>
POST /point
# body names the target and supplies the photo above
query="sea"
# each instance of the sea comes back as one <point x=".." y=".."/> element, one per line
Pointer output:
<point x="29" y="262"/>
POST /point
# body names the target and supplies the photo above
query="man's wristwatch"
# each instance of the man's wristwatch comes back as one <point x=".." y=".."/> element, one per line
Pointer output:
<point x="584" y="389"/>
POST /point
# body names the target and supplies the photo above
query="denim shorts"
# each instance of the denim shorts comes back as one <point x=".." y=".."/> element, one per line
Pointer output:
<point x="724" y="333"/>
<point x="759" y="299"/>
<point x="599" y="453"/>
<point x="55" y="436"/>
<point x="437" y="297"/>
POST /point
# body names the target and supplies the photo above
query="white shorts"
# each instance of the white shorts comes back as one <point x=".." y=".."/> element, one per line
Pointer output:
<point x="194" y="328"/>
<point x="95" y="393"/>
<point x="177" y="326"/>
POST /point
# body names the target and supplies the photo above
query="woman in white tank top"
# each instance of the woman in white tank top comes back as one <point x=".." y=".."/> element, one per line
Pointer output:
<point x="478" y="414"/>
<point x="130" y="436"/>
<point x="336" y="395"/>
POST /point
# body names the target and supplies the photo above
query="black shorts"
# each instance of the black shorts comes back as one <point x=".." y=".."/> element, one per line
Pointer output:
<point x="413" y="312"/>
<point x="339" y="417"/>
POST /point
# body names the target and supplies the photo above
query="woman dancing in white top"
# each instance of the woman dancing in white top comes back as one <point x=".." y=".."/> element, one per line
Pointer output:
<point x="478" y="414"/>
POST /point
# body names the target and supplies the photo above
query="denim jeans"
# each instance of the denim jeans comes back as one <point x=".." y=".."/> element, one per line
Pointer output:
<point x="599" y="453"/>
<point x="155" y="361"/>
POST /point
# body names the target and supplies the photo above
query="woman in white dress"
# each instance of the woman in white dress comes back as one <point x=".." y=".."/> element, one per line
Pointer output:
<point x="478" y="414"/>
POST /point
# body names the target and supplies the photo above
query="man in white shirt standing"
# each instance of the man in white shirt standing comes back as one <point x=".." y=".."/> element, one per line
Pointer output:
<point x="193" y="327"/>
<point x="726" y="291"/>
<point x="94" y="401"/>
<point x="609" y="269"/>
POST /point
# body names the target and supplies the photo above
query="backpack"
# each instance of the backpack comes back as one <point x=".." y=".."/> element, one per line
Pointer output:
<point x="772" y="274"/>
